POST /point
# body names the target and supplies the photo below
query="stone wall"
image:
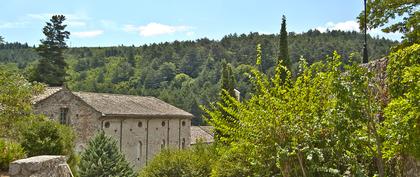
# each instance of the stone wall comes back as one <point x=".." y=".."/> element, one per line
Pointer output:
<point x="83" y="118"/>
<point x="40" y="166"/>
<point x="142" y="138"/>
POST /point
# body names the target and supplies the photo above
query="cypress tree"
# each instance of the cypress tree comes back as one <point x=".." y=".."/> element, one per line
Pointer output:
<point x="283" y="47"/>
<point x="51" y="66"/>
<point x="228" y="79"/>
<point x="103" y="159"/>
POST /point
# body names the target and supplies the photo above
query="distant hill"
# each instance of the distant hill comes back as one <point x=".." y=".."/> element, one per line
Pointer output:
<point x="186" y="74"/>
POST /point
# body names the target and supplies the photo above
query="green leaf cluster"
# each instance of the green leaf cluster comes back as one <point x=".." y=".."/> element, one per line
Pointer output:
<point x="196" y="161"/>
<point x="9" y="152"/>
<point x="325" y="122"/>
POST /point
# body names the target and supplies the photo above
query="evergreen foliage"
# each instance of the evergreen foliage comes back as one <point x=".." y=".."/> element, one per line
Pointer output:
<point x="102" y="158"/>
<point x="283" y="46"/>
<point x="51" y="68"/>
<point x="187" y="74"/>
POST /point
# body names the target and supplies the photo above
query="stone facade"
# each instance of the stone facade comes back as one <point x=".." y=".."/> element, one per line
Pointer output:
<point x="40" y="166"/>
<point x="140" y="139"/>
<point x="139" y="136"/>
<point x="83" y="118"/>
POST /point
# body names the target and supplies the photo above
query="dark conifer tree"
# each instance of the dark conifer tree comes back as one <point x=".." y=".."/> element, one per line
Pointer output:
<point x="52" y="67"/>
<point x="283" y="47"/>
<point x="102" y="159"/>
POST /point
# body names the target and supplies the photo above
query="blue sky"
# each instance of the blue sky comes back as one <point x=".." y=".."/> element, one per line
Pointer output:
<point x="108" y="23"/>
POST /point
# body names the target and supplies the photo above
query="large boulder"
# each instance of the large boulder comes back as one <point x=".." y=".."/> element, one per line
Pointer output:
<point x="40" y="166"/>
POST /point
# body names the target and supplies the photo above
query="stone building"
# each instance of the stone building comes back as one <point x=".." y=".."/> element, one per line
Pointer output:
<point x="142" y="126"/>
<point x="202" y="134"/>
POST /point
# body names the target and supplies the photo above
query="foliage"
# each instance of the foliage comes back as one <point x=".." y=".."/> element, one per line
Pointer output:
<point x="283" y="46"/>
<point x="153" y="69"/>
<point x="103" y="159"/>
<point x="9" y="152"/>
<point x="192" y="162"/>
<point x="51" y="67"/>
<point x="404" y="14"/>
<point x="15" y="102"/>
<point x="45" y="137"/>
<point x="402" y="115"/>
<point x="323" y="123"/>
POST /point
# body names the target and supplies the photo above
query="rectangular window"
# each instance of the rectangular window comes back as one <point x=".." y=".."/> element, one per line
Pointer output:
<point x="63" y="116"/>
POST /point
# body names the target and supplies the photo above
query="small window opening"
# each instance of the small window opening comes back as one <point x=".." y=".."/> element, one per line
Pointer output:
<point x="63" y="116"/>
<point x="107" y="124"/>
<point x="139" y="151"/>
<point x="163" y="144"/>
<point x="163" y="123"/>
<point x="183" y="123"/>
<point x="139" y="124"/>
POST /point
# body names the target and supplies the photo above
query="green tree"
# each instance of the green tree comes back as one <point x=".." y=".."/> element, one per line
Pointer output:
<point x="404" y="15"/>
<point x="10" y="151"/>
<point x="103" y="159"/>
<point x="16" y="95"/>
<point x="196" y="161"/>
<point x="283" y="45"/>
<point x="323" y="123"/>
<point x="1" y="39"/>
<point x="227" y="80"/>
<point x="51" y="68"/>
<point x="46" y="137"/>
<point x="402" y="115"/>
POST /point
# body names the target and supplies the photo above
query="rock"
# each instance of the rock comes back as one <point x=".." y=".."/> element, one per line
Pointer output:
<point x="40" y="166"/>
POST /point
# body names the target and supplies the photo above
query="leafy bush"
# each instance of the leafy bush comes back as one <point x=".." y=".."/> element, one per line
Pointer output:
<point x="103" y="159"/>
<point x="9" y="151"/>
<point x="192" y="162"/>
<point x="50" y="138"/>
<point x="321" y="123"/>
<point x="401" y="126"/>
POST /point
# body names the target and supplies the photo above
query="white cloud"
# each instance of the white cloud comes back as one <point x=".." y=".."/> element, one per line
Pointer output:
<point x="156" y="29"/>
<point x="72" y="20"/>
<point x="87" y="34"/>
<point x="354" y="26"/>
<point x="190" y="33"/>
<point x="12" y="25"/>
<point x="343" y="26"/>
<point x="109" y="24"/>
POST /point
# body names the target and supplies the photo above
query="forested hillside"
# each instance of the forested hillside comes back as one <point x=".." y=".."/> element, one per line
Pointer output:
<point x="187" y="74"/>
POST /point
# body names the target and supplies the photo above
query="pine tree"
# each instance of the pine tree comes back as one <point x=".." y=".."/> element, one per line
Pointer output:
<point x="103" y="159"/>
<point x="51" y="67"/>
<point x="283" y="47"/>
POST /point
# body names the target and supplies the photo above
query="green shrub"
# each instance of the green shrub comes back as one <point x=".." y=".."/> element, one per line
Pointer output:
<point x="103" y="159"/>
<point x="50" y="138"/>
<point x="9" y="151"/>
<point x="186" y="163"/>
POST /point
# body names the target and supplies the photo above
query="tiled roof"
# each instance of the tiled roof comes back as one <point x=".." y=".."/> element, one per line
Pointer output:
<point x="130" y="105"/>
<point x="202" y="133"/>
<point x="47" y="93"/>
